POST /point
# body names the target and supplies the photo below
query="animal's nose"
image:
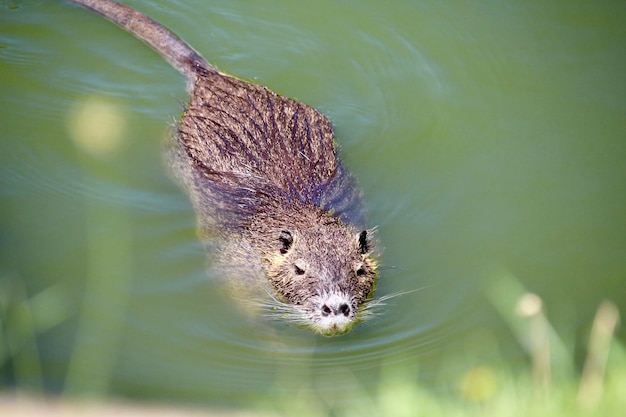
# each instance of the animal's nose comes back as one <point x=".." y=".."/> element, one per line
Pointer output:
<point x="335" y="310"/>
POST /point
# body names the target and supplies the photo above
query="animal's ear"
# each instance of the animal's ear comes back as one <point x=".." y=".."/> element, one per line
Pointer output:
<point x="364" y="242"/>
<point x="286" y="239"/>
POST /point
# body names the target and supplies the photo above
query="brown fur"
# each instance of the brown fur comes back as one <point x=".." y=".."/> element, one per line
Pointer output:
<point x="270" y="192"/>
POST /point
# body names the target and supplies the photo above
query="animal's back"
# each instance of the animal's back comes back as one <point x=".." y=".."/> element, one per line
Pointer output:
<point x="246" y="142"/>
<point x="236" y="127"/>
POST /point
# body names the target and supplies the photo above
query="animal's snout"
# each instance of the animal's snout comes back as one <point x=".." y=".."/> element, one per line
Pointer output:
<point x="335" y="309"/>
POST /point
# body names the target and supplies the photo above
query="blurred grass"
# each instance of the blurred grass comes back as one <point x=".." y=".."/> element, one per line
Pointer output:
<point x="550" y="385"/>
<point x="96" y="125"/>
<point x="23" y="319"/>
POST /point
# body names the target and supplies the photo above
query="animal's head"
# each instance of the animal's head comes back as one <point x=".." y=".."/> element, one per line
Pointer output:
<point x="323" y="273"/>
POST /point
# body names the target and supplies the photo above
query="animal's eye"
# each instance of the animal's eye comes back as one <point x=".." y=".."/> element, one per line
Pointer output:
<point x="286" y="240"/>
<point x="298" y="270"/>
<point x="360" y="272"/>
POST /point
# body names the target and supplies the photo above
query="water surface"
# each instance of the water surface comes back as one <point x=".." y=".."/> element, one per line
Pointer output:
<point x="489" y="139"/>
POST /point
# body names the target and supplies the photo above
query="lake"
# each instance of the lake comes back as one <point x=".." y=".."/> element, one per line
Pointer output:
<point x="489" y="139"/>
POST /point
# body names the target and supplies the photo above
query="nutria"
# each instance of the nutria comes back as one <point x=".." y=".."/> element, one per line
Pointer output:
<point x="274" y="203"/>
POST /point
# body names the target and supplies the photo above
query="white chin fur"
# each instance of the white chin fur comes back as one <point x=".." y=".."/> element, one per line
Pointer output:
<point x="334" y="324"/>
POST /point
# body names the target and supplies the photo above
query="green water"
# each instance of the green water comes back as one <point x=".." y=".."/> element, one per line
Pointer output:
<point x="489" y="139"/>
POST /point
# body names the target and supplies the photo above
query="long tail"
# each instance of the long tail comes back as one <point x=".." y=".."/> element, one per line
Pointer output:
<point x="173" y="49"/>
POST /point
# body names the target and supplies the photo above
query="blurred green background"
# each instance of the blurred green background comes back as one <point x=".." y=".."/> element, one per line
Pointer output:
<point x="489" y="139"/>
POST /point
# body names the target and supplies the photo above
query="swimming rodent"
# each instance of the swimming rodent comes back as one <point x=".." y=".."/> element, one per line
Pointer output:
<point x="274" y="203"/>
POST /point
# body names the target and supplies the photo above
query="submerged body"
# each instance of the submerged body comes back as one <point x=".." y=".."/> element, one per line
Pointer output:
<point x="273" y="200"/>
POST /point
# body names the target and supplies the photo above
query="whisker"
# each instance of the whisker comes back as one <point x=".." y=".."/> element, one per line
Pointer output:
<point x="369" y="307"/>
